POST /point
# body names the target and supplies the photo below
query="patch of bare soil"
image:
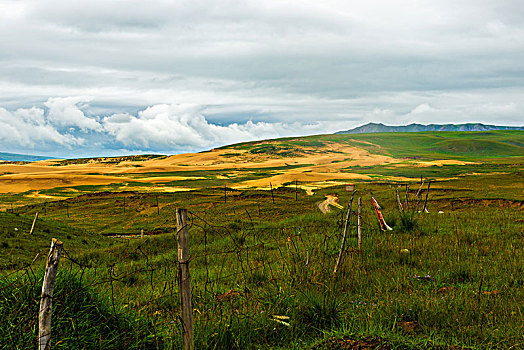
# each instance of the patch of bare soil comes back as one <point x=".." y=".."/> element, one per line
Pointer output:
<point x="371" y="343"/>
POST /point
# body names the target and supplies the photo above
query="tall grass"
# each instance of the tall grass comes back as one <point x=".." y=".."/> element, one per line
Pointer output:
<point x="459" y="284"/>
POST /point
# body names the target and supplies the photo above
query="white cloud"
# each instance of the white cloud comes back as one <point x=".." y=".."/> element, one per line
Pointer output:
<point x="184" y="127"/>
<point x="64" y="112"/>
<point x="27" y="128"/>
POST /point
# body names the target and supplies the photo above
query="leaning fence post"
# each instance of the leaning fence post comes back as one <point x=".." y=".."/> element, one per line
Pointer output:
<point x="184" y="285"/>
<point x="33" y="225"/>
<point x="398" y="202"/>
<point x="46" y="300"/>
<point x="344" y="236"/>
<point x="425" y="209"/>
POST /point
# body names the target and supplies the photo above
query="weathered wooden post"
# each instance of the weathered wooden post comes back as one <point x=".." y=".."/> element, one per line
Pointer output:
<point x="33" y="225"/>
<point x="184" y="285"/>
<point x="46" y="300"/>
<point x="398" y="201"/>
<point x="419" y="191"/>
<point x="383" y="225"/>
<point x="157" y="206"/>
<point x="344" y="236"/>
<point x="359" y="223"/>
<point x="272" y="196"/>
<point x="67" y="209"/>
<point x="425" y="209"/>
<point x="225" y="194"/>
<point x="124" y="204"/>
<point x="296" y="190"/>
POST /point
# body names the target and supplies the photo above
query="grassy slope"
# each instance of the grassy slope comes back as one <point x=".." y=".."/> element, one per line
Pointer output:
<point x="437" y="145"/>
<point x="260" y="256"/>
<point x="253" y="248"/>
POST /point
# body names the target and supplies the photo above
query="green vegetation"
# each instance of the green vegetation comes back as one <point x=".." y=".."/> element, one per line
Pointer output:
<point x="442" y="145"/>
<point x="460" y="284"/>
<point x="81" y="317"/>
<point x="262" y="272"/>
<point x="108" y="160"/>
<point x="421" y="145"/>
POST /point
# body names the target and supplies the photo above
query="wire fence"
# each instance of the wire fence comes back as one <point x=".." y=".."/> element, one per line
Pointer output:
<point x="131" y="297"/>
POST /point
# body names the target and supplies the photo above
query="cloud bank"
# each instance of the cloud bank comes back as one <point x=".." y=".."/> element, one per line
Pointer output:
<point x="63" y="129"/>
<point x="115" y="75"/>
<point x="69" y="127"/>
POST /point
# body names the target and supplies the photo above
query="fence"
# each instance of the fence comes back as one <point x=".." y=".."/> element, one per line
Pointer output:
<point x="131" y="299"/>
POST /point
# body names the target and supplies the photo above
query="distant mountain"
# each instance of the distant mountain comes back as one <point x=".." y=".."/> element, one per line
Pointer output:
<point x="13" y="157"/>
<point x="378" y="127"/>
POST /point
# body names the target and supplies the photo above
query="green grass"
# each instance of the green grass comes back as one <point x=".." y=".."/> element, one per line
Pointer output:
<point x="259" y="258"/>
<point x="461" y="282"/>
<point x="80" y="316"/>
<point x="428" y="145"/>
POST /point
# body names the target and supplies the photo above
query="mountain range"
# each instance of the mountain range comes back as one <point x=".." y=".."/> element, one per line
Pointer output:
<point x="379" y="127"/>
<point x="14" y="157"/>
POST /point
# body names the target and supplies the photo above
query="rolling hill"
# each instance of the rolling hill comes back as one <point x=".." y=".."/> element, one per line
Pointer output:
<point x="314" y="162"/>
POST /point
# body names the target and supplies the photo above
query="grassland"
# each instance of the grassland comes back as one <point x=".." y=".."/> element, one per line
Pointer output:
<point x="461" y="283"/>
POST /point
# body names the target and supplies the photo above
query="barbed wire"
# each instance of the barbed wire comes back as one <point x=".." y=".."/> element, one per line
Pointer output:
<point x="239" y="256"/>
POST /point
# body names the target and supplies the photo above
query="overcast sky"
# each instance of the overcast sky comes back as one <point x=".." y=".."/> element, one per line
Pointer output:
<point x="102" y="77"/>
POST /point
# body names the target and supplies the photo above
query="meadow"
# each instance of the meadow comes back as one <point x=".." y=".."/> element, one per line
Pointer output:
<point x="262" y="263"/>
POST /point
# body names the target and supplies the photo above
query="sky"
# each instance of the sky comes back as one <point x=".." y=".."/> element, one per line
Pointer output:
<point x="102" y="77"/>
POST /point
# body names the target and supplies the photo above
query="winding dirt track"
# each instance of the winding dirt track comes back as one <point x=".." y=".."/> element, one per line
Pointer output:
<point x="330" y="200"/>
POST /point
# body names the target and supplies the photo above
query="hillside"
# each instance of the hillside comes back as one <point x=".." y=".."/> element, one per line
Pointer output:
<point x="379" y="127"/>
<point x="262" y="262"/>
<point x="312" y="162"/>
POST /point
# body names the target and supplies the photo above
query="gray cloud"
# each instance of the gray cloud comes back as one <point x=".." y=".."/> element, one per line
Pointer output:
<point x="333" y="64"/>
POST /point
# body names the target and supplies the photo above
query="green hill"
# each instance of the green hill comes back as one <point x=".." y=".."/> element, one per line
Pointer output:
<point x="423" y="145"/>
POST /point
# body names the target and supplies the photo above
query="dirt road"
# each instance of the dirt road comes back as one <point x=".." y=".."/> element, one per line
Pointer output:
<point x="331" y="199"/>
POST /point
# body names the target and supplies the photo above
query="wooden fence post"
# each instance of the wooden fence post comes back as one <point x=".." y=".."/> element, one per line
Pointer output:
<point x="419" y="191"/>
<point x="157" y="206"/>
<point x="225" y="194"/>
<point x="184" y="284"/>
<point x="33" y="225"/>
<point x="272" y="197"/>
<point x="359" y="223"/>
<point x="46" y="300"/>
<point x="425" y="209"/>
<point x="398" y="202"/>
<point x="344" y="236"/>
<point x="296" y="190"/>
<point x="383" y="225"/>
